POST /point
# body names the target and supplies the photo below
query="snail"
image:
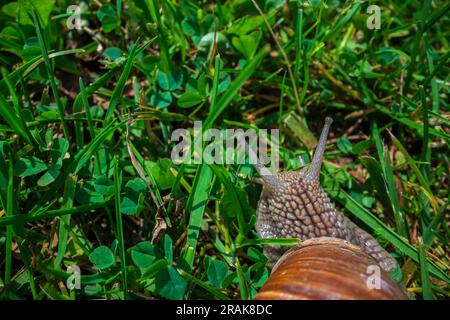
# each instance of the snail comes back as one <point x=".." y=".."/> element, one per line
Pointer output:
<point x="293" y="205"/>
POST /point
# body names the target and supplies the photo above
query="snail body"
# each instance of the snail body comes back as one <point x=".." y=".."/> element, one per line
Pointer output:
<point x="294" y="205"/>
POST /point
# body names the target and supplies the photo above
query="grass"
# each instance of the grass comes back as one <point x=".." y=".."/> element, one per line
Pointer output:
<point x="86" y="176"/>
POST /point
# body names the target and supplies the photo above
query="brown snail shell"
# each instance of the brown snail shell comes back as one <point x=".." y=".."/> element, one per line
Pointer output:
<point x="327" y="269"/>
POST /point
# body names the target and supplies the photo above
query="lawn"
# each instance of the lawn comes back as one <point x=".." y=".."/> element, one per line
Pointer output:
<point x="92" y="204"/>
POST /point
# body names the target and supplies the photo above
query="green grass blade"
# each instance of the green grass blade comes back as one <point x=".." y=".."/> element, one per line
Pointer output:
<point x="424" y="275"/>
<point x="153" y="7"/>
<point x="215" y="87"/>
<point x="28" y="67"/>
<point x="92" y="88"/>
<point x="64" y="221"/>
<point x="16" y="124"/>
<point x="118" y="90"/>
<point x="25" y="253"/>
<point x="224" y="178"/>
<point x="4" y="173"/>
<point x="298" y="38"/>
<point x="423" y="183"/>
<point x="119" y="231"/>
<point x="215" y="292"/>
<point x="243" y="285"/>
<point x="411" y="124"/>
<point x="82" y="157"/>
<point x="232" y="91"/>
<point x="388" y="174"/>
<point x="87" y="110"/>
<point x="49" y="69"/>
<point x="20" y="219"/>
<point x="271" y="241"/>
<point x="120" y="86"/>
<point x="380" y="228"/>
<point x="342" y="22"/>
<point x="196" y="207"/>
<point x="428" y="235"/>
<point x="9" y="230"/>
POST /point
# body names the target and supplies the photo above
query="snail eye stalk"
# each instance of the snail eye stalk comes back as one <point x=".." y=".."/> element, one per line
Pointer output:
<point x="313" y="172"/>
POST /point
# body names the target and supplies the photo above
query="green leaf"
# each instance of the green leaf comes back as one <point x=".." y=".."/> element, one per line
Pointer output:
<point x="161" y="99"/>
<point x="144" y="254"/>
<point x="170" y="81"/>
<point x="160" y="170"/>
<point x="190" y="99"/>
<point x="87" y="194"/>
<point x="349" y="13"/>
<point x="92" y="290"/>
<point x="256" y="255"/>
<point x="135" y="186"/>
<point x="97" y="112"/>
<point x="154" y="268"/>
<point x="207" y="41"/>
<point x="11" y="9"/>
<point x="31" y="49"/>
<point x="245" y="25"/>
<point x="59" y="149"/>
<point x="233" y="199"/>
<point x="50" y="175"/>
<point x="108" y="18"/>
<point x="168" y="250"/>
<point x="29" y="166"/>
<point x="102" y="257"/>
<point x="51" y="115"/>
<point x="344" y="145"/>
<point x="190" y="26"/>
<point x="131" y="207"/>
<point x="112" y="53"/>
<point x="170" y="284"/>
<point x="43" y="7"/>
<point x="104" y="185"/>
<point x="194" y="26"/>
<point x="217" y="271"/>
<point x="133" y="202"/>
<point x="245" y="44"/>
<point x="360" y="147"/>
<point x="225" y="81"/>
<point x="368" y="201"/>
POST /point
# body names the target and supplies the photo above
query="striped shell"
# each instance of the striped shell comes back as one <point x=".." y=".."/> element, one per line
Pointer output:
<point x="328" y="269"/>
